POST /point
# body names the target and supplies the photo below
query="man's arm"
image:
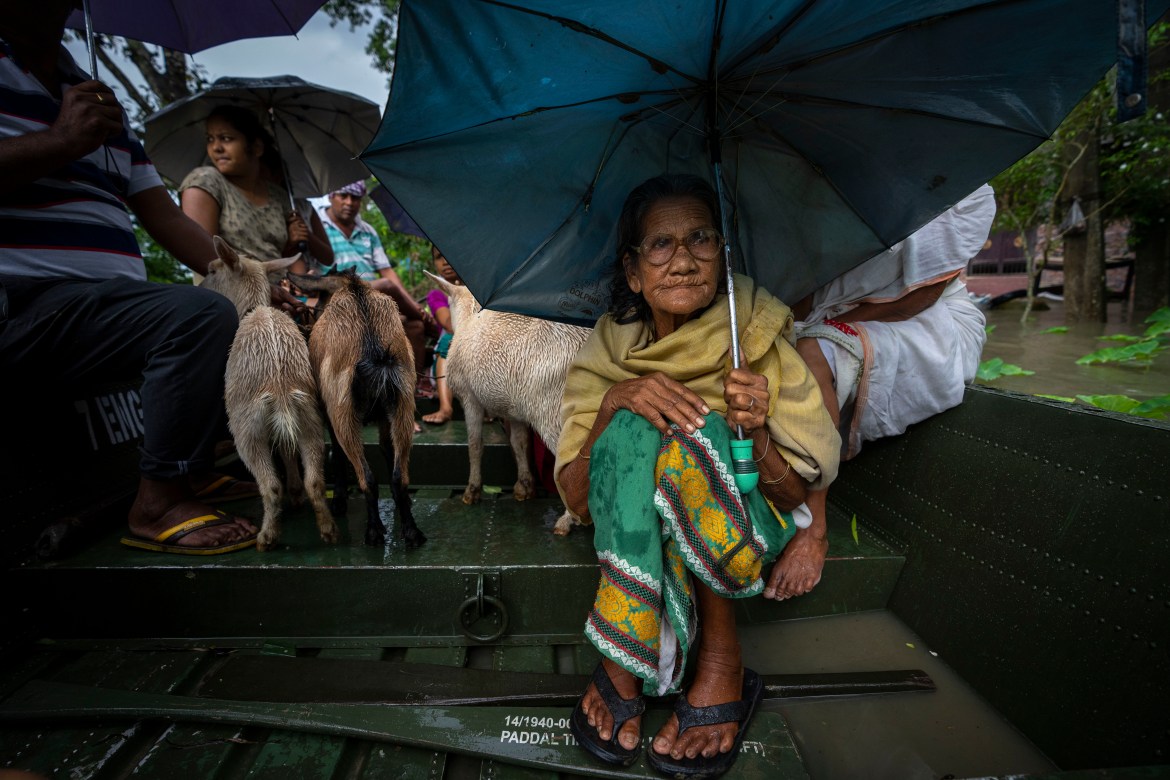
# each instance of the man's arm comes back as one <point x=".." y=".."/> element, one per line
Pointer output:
<point x="172" y="229"/>
<point x="83" y="124"/>
<point x="913" y="303"/>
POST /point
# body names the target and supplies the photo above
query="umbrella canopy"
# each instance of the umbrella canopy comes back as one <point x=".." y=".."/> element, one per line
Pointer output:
<point x="396" y="217"/>
<point x="515" y="131"/>
<point x="319" y="131"/>
<point x="190" y="27"/>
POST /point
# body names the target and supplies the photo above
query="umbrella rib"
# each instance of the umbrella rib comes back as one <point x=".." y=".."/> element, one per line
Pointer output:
<point x="656" y="64"/>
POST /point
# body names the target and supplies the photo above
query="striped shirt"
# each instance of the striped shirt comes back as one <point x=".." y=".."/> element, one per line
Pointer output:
<point x="361" y="251"/>
<point x="72" y="223"/>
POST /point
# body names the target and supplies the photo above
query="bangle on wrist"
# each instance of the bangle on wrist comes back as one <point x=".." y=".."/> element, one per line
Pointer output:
<point x="781" y="479"/>
<point x="767" y="443"/>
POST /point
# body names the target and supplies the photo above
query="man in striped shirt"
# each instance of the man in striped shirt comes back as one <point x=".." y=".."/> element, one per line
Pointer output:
<point x="75" y="306"/>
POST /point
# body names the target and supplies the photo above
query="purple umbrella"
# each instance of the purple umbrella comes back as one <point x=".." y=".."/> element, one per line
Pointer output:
<point x="193" y="25"/>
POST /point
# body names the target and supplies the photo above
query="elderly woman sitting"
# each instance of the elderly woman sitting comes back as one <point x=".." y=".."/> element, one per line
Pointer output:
<point x="644" y="452"/>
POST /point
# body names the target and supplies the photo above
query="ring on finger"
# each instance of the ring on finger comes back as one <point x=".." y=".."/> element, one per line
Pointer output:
<point x="100" y="98"/>
<point x="753" y="402"/>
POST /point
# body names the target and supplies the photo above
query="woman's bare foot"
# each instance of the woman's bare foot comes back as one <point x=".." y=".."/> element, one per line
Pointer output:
<point x="439" y="417"/>
<point x="163" y="504"/>
<point x="593" y="705"/>
<point x="800" y="565"/>
<point x="718" y="680"/>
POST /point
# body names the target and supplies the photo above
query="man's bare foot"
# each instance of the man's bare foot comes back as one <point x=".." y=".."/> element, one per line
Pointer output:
<point x="593" y="705"/>
<point x="438" y="418"/>
<point x="800" y="565"/>
<point x="718" y="680"/>
<point x="163" y="504"/>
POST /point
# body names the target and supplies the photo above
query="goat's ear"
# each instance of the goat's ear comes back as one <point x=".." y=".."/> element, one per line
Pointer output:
<point x="226" y="253"/>
<point x="330" y="284"/>
<point x="444" y="285"/>
<point x="280" y="263"/>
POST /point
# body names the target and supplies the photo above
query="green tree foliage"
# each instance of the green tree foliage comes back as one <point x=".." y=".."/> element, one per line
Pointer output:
<point x="1134" y="163"/>
<point x="160" y="265"/>
<point x="384" y="33"/>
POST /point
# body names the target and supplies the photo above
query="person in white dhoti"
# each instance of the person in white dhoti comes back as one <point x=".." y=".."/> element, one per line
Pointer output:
<point x="891" y="342"/>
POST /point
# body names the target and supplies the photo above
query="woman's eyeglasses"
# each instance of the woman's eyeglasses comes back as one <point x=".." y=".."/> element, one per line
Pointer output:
<point x="702" y="244"/>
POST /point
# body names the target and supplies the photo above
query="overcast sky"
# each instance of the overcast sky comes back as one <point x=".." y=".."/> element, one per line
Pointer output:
<point x="329" y="56"/>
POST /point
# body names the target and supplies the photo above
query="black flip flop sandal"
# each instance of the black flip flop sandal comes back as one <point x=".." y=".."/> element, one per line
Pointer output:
<point x="688" y="716"/>
<point x="610" y="751"/>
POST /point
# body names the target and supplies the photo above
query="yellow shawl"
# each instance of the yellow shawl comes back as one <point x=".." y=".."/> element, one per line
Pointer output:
<point x="697" y="355"/>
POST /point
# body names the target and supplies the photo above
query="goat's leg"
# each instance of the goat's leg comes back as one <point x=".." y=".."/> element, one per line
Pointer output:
<point x="340" y="503"/>
<point x="518" y="437"/>
<point x="375" y="528"/>
<point x="313" y="460"/>
<point x="473" y="412"/>
<point x="292" y="479"/>
<point x="255" y="451"/>
<point x="392" y="440"/>
<point x="348" y="433"/>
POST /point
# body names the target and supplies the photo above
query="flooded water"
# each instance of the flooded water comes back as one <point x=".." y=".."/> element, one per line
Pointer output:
<point x="1053" y="356"/>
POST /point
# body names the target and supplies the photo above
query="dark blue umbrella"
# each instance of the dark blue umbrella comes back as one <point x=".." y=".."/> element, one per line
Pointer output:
<point x="396" y="217"/>
<point x="515" y="130"/>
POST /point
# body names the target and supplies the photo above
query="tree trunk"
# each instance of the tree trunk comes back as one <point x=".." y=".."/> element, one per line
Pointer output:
<point x="1084" y="252"/>
<point x="1151" y="268"/>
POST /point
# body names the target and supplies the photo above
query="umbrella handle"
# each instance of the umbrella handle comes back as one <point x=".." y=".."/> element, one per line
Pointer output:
<point x="747" y="475"/>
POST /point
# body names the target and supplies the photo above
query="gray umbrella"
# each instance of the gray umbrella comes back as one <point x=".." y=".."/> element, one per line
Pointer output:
<point x="319" y="131"/>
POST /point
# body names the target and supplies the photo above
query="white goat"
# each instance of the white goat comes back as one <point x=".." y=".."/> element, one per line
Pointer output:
<point x="510" y="366"/>
<point x="270" y="393"/>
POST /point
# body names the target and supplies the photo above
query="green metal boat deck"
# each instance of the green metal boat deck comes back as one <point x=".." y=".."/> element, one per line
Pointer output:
<point x="131" y="653"/>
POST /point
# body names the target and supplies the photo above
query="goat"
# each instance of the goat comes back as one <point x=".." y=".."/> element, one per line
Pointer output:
<point x="270" y="393"/>
<point x="365" y="371"/>
<point x="510" y="366"/>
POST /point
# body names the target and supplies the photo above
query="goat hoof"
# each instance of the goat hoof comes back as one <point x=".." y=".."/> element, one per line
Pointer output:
<point x="523" y="490"/>
<point x="265" y="541"/>
<point x="472" y="495"/>
<point x="330" y="535"/>
<point x="375" y="537"/>
<point x="413" y="538"/>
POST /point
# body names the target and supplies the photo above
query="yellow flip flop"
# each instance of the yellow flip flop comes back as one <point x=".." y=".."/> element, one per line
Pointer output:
<point x="165" y="541"/>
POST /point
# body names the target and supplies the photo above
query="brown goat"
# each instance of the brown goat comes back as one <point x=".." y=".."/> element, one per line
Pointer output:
<point x="270" y="394"/>
<point x="365" y="372"/>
